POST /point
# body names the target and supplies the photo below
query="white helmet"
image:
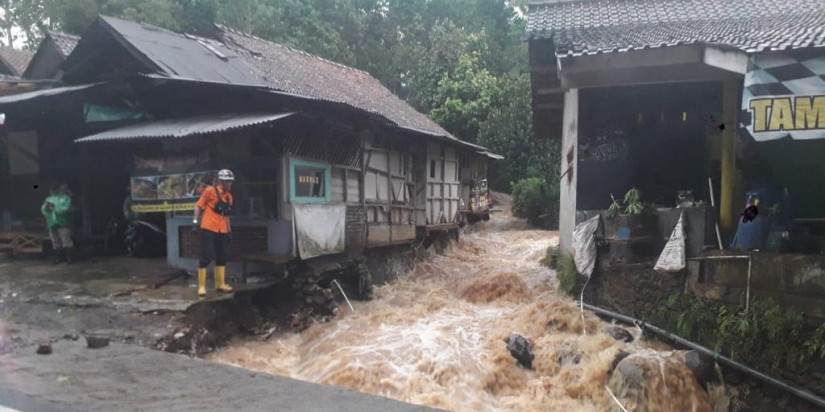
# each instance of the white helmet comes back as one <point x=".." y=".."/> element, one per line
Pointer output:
<point x="226" y="175"/>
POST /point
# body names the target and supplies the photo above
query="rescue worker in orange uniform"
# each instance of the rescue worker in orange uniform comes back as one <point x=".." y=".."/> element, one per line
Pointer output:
<point x="216" y="205"/>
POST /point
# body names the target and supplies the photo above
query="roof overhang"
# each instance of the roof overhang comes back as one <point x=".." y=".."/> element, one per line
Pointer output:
<point x="481" y="150"/>
<point x="184" y="127"/>
<point x="46" y="94"/>
<point x="683" y="63"/>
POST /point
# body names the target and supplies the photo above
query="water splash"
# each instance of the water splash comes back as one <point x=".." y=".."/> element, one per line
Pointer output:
<point x="436" y="336"/>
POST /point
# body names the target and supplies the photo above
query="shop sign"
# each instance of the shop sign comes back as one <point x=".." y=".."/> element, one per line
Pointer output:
<point x="169" y="193"/>
<point x="784" y="95"/>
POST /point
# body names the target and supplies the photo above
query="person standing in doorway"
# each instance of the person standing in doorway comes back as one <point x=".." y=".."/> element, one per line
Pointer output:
<point x="216" y="205"/>
<point x="57" y="211"/>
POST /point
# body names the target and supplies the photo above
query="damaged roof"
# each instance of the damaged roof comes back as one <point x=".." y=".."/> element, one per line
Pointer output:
<point x="15" y="60"/>
<point x="581" y="27"/>
<point x="236" y="58"/>
<point x="183" y="55"/>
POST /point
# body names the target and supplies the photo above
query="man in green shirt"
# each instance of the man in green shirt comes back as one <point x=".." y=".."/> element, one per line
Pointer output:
<point x="57" y="210"/>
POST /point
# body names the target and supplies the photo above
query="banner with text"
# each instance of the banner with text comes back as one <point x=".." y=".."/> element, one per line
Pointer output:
<point x="784" y="95"/>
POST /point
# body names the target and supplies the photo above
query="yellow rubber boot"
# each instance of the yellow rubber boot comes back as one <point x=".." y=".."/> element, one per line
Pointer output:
<point x="201" y="282"/>
<point x="220" y="279"/>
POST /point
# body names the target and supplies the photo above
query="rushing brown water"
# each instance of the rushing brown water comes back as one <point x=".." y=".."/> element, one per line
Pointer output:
<point x="436" y="337"/>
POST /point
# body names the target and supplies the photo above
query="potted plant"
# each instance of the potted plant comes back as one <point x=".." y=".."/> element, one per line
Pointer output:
<point x="628" y="217"/>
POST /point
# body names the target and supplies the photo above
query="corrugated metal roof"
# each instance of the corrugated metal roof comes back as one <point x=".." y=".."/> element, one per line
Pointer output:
<point x="598" y="26"/>
<point x="17" y="98"/>
<point x="188" y="126"/>
<point x="185" y="55"/>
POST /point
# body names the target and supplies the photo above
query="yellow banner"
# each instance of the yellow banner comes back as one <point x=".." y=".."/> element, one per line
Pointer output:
<point x="164" y="207"/>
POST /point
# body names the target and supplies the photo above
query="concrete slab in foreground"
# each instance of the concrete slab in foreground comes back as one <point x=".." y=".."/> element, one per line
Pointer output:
<point x="125" y="377"/>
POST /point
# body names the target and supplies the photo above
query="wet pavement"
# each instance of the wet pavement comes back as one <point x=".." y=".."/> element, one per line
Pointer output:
<point x="128" y="300"/>
<point x="134" y="303"/>
<point x="123" y="377"/>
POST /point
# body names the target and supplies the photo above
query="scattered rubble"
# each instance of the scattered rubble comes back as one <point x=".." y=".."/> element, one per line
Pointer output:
<point x="305" y="285"/>
<point x="44" y="349"/>
<point x="620" y="334"/>
<point x="96" y="342"/>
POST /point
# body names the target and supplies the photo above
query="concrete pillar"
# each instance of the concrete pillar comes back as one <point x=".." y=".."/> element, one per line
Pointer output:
<point x="569" y="172"/>
<point x="728" y="210"/>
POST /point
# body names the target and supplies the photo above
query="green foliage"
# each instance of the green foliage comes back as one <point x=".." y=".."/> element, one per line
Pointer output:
<point x="551" y="257"/>
<point x="508" y="131"/>
<point x="615" y="208"/>
<point x="631" y="204"/>
<point x="567" y="274"/>
<point x="533" y="198"/>
<point x="767" y="337"/>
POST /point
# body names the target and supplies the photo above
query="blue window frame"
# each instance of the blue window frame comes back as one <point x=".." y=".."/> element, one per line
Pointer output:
<point x="309" y="182"/>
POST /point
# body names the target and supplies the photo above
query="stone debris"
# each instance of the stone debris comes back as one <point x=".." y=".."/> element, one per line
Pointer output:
<point x="96" y="342"/>
<point x="44" y="349"/>
<point x="702" y="367"/>
<point x="620" y="334"/>
<point x="619" y="357"/>
<point x="519" y="348"/>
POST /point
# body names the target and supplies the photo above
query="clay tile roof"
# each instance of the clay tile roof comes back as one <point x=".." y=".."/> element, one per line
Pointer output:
<point x="579" y="27"/>
<point x="232" y="57"/>
<point x="65" y="42"/>
<point x="295" y="71"/>
<point x="17" y="60"/>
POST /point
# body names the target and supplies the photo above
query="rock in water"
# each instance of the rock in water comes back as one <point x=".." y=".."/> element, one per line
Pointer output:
<point x="702" y="367"/>
<point x="96" y="342"/>
<point x="44" y="349"/>
<point x="619" y="357"/>
<point x="651" y="381"/>
<point x="620" y="334"/>
<point x="520" y="349"/>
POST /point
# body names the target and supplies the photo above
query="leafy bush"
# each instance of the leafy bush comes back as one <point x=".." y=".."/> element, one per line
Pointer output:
<point x="631" y="204"/>
<point x="534" y="198"/>
<point x="567" y="274"/>
<point x="551" y="257"/>
<point x="768" y="337"/>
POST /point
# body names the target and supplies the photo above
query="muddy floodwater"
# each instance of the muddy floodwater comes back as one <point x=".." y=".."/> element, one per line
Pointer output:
<point x="436" y="337"/>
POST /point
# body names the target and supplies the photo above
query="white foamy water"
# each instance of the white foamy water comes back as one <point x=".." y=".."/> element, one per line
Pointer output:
<point x="435" y="337"/>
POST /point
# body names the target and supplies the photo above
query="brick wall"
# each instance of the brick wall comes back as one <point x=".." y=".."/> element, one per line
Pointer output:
<point x="246" y="240"/>
<point x="355" y="228"/>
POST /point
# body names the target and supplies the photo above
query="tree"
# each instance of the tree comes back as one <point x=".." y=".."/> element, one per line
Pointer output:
<point x="508" y="130"/>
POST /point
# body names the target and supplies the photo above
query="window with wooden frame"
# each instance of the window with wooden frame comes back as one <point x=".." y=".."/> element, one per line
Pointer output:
<point x="309" y="182"/>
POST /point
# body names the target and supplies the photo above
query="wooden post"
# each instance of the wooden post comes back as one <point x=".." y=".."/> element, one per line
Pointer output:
<point x="728" y="201"/>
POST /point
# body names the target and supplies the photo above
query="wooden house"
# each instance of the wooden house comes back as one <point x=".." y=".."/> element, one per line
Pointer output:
<point x="328" y="161"/>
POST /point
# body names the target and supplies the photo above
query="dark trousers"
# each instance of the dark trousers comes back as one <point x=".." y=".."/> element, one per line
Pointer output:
<point x="213" y="247"/>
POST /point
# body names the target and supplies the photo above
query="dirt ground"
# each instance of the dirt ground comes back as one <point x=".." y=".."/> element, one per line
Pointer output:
<point x="127" y="300"/>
